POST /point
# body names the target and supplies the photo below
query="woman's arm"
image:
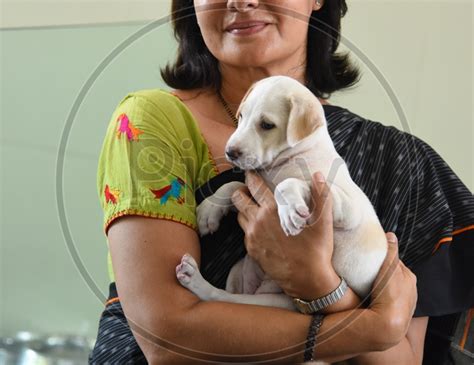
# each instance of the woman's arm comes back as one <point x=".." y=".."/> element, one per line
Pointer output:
<point x="407" y="351"/>
<point x="171" y="325"/>
<point x="271" y="250"/>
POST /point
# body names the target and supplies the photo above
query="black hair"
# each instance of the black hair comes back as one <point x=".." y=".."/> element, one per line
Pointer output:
<point x="326" y="70"/>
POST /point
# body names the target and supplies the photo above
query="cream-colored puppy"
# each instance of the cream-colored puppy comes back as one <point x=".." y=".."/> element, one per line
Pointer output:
<point x="282" y="132"/>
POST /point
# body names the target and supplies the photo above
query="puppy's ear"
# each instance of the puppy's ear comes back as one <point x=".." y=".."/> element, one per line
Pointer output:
<point x="304" y="118"/>
<point x="249" y="90"/>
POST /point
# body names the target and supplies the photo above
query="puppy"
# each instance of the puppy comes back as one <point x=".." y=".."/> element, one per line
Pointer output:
<point x="282" y="133"/>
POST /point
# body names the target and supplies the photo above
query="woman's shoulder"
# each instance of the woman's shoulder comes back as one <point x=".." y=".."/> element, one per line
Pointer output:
<point x="154" y="100"/>
<point x="162" y="108"/>
<point x="339" y="116"/>
<point x="348" y="128"/>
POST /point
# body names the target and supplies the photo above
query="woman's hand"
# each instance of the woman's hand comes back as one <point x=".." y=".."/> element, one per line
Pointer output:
<point x="394" y="296"/>
<point x="301" y="265"/>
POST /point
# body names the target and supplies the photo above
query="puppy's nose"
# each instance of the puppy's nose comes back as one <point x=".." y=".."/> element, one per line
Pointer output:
<point x="233" y="153"/>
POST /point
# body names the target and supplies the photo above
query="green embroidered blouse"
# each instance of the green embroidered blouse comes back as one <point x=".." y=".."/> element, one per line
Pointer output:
<point x="153" y="158"/>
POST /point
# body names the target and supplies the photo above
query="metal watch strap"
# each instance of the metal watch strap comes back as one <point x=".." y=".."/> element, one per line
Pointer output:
<point x="323" y="302"/>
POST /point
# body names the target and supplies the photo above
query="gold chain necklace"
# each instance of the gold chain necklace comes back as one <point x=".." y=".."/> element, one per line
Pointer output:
<point x="227" y="109"/>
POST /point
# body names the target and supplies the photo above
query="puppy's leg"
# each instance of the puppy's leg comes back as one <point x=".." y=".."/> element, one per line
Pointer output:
<point x="214" y="207"/>
<point x="346" y="207"/>
<point x="292" y="196"/>
<point x="268" y="286"/>
<point x="252" y="276"/>
<point x="189" y="276"/>
<point x="245" y="277"/>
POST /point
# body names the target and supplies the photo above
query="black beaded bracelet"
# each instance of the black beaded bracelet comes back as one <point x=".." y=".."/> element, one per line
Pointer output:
<point x="315" y="325"/>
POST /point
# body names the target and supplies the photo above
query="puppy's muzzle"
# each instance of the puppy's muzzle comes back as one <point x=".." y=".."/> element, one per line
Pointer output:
<point x="233" y="153"/>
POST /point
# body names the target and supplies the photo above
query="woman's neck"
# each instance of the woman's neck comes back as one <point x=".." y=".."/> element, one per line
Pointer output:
<point x="236" y="81"/>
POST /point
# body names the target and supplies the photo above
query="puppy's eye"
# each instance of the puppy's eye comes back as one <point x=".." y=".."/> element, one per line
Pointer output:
<point x="266" y="126"/>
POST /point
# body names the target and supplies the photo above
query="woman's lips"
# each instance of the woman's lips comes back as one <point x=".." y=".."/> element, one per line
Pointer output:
<point x="248" y="30"/>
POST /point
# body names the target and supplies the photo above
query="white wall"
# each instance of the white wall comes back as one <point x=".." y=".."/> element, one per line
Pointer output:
<point x="425" y="51"/>
<point x="21" y="13"/>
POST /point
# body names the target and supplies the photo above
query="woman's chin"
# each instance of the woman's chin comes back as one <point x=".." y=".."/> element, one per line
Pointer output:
<point x="251" y="54"/>
<point x="245" y="60"/>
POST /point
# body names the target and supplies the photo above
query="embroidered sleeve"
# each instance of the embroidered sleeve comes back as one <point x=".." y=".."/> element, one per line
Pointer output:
<point x="141" y="168"/>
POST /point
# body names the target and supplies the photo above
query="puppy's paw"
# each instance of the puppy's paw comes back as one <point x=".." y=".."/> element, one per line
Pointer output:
<point x="209" y="215"/>
<point x="188" y="274"/>
<point x="293" y="218"/>
<point x="186" y="270"/>
<point x="291" y="195"/>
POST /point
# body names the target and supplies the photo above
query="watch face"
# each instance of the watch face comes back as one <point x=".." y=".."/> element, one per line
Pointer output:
<point x="321" y="303"/>
<point x="301" y="305"/>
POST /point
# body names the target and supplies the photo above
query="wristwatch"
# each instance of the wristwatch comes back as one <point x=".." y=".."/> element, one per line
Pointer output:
<point x="323" y="302"/>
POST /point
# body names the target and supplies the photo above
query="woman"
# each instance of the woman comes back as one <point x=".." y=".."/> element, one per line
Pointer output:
<point x="162" y="148"/>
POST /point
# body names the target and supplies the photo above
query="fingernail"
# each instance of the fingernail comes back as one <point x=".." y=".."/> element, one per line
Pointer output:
<point x="391" y="237"/>
<point x="320" y="177"/>
<point x="236" y="196"/>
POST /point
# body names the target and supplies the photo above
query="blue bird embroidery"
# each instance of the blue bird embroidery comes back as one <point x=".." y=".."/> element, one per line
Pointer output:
<point x="171" y="190"/>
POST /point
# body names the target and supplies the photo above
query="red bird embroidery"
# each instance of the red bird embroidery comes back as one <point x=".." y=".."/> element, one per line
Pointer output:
<point x="111" y="195"/>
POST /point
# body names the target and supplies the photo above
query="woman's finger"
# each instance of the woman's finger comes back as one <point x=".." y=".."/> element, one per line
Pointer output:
<point x="243" y="221"/>
<point x="321" y="214"/>
<point x="390" y="263"/>
<point x="259" y="189"/>
<point x="391" y="260"/>
<point x="242" y="201"/>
